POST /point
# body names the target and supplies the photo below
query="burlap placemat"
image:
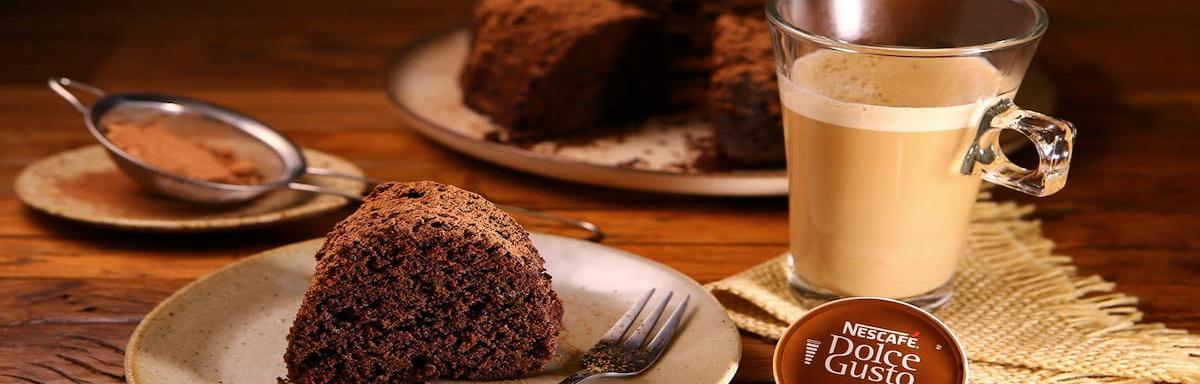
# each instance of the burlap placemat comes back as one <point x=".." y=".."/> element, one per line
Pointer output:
<point x="1022" y="312"/>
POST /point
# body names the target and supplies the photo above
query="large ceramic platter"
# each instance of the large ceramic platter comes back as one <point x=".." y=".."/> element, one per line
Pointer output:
<point x="660" y="154"/>
<point x="231" y="326"/>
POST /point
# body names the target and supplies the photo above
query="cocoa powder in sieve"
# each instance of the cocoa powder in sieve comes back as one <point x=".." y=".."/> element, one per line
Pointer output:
<point x="150" y="140"/>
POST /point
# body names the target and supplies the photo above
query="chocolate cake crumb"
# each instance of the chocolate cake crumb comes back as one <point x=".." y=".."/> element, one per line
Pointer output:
<point x="745" y="108"/>
<point x="546" y="68"/>
<point x="424" y="281"/>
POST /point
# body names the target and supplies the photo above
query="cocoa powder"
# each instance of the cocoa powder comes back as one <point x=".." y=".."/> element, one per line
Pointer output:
<point x="151" y="139"/>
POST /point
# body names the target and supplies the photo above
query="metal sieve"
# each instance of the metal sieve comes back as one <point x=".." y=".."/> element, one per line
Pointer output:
<point x="279" y="160"/>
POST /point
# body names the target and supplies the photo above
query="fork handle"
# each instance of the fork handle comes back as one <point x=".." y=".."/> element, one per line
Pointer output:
<point x="578" y="377"/>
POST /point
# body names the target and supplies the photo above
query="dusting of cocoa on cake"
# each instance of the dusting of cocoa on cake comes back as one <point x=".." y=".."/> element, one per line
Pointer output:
<point x="154" y="142"/>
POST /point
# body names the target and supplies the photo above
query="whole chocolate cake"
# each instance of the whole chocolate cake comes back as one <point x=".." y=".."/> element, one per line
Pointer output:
<point x="424" y="281"/>
<point x="551" y="68"/>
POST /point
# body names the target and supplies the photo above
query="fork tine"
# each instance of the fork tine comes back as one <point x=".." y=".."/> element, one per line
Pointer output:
<point x="618" y="329"/>
<point x="639" y="335"/>
<point x="660" y="341"/>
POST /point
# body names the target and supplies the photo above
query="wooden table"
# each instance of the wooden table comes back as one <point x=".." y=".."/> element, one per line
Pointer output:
<point x="70" y="294"/>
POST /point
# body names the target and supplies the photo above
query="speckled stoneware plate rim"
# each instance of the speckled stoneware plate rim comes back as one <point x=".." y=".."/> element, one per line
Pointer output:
<point x="1038" y="93"/>
<point x="135" y="339"/>
<point x="725" y="326"/>
<point x="29" y="178"/>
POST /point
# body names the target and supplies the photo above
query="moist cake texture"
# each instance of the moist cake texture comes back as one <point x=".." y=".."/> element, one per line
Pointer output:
<point x="544" y="68"/>
<point x="424" y="281"/>
<point x="745" y="107"/>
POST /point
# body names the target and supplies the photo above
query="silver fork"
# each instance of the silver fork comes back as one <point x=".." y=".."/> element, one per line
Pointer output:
<point x="611" y="357"/>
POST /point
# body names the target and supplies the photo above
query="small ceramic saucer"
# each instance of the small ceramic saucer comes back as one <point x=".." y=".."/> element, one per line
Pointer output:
<point x="84" y="185"/>
<point x="231" y="326"/>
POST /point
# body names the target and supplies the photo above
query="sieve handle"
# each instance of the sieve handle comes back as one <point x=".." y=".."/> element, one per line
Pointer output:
<point x="315" y="171"/>
<point x="594" y="233"/>
<point x="59" y="85"/>
<point x="324" y="191"/>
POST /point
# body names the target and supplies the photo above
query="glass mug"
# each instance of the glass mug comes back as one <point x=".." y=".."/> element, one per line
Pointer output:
<point x="892" y="114"/>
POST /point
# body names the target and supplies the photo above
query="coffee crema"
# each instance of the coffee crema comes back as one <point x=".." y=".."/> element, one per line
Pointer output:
<point x="877" y="204"/>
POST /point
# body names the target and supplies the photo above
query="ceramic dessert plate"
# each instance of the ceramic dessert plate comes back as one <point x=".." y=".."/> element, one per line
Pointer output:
<point x="84" y="185"/>
<point x="657" y="155"/>
<point x="231" y="326"/>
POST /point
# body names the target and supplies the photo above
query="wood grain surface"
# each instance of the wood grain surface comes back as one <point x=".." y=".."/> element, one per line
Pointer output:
<point x="70" y="294"/>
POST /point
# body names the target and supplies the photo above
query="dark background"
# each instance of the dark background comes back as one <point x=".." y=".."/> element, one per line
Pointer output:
<point x="1126" y="72"/>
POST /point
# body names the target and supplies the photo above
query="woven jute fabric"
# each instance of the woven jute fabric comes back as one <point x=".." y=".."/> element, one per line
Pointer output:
<point x="1022" y="312"/>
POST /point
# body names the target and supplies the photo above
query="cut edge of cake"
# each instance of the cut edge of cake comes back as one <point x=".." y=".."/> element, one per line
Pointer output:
<point x="424" y="281"/>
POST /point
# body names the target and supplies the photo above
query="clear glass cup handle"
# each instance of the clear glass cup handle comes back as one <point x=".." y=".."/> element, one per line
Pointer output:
<point x="1054" y="139"/>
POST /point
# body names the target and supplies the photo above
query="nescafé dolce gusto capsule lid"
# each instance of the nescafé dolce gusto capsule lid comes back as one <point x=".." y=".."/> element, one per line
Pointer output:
<point x="869" y="340"/>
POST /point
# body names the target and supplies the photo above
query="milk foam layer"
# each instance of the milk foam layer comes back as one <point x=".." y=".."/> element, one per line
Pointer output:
<point x="895" y="94"/>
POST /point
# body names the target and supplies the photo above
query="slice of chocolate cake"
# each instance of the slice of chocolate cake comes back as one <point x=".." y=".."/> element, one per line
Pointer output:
<point x="424" y="281"/>
<point x="544" y="68"/>
<point x="745" y="107"/>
